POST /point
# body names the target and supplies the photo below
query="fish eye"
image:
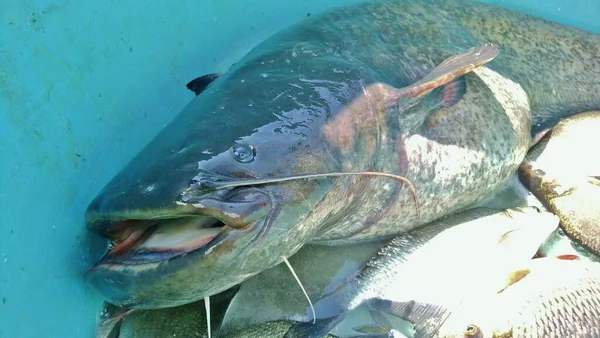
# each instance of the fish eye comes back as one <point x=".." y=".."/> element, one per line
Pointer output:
<point x="472" y="331"/>
<point x="243" y="153"/>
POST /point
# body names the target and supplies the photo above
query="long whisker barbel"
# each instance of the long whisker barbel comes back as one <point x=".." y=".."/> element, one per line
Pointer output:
<point x="216" y="185"/>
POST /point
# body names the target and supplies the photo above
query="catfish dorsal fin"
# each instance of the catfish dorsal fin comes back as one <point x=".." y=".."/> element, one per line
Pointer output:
<point x="199" y="84"/>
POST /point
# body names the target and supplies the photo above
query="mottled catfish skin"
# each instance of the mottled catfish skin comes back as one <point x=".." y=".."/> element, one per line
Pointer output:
<point x="187" y="320"/>
<point x="324" y="96"/>
<point x="563" y="171"/>
<point x="273" y="329"/>
<point x="545" y="298"/>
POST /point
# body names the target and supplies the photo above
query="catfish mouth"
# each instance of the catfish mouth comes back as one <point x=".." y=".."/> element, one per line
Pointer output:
<point x="148" y="241"/>
<point x="198" y="224"/>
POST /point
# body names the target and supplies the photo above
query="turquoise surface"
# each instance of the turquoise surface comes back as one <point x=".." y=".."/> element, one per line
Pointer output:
<point x="83" y="86"/>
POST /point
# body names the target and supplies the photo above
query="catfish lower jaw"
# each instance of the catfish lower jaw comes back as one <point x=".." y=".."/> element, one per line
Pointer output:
<point x="150" y="241"/>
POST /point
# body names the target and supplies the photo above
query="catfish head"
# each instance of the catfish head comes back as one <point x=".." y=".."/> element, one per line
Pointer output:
<point x="194" y="213"/>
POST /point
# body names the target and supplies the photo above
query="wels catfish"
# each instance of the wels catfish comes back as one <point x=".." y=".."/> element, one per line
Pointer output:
<point x="272" y="329"/>
<point x="442" y="97"/>
<point x="404" y="277"/>
<point x="546" y="297"/>
<point x="181" y="321"/>
<point x="563" y="171"/>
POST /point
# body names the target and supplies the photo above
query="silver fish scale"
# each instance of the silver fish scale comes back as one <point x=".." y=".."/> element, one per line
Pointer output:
<point x="561" y="302"/>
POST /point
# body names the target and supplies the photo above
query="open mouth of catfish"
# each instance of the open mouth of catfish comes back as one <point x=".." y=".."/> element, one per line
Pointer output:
<point x="197" y="225"/>
<point x="146" y="241"/>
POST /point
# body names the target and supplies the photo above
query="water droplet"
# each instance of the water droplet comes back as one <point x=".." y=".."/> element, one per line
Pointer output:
<point x="243" y="153"/>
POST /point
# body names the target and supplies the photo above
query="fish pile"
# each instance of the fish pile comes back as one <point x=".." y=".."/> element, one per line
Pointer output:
<point x="422" y="168"/>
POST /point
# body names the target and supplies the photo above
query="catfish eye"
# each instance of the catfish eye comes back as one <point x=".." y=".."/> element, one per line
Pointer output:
<point x="472" y="331"/>
<point x="243" y="153"/>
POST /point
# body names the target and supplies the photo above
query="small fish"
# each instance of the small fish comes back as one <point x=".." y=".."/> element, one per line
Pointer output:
<point x="545" y="297"/>
<point x="562" y="171"/>
<point x="420" y="275"/>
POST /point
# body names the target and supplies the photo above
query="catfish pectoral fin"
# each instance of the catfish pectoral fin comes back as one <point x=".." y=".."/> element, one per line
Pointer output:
<point x="199" y="84"/>
<point x="451" y="69"/>
<point x="111" y="318"/>
<point x="444" y="86"/>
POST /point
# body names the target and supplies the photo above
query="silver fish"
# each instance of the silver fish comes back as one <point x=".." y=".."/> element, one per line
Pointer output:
<point x="420" y="275"/>
<point x="544" y="298"/>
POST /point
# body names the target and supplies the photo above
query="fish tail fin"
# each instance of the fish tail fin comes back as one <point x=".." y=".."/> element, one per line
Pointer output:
<point x="332" y="306"/>
<point x="424" y="319"/>
<point x="320" y="328"/>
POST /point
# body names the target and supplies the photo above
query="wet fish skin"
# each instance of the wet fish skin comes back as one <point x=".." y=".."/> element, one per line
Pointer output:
<point x="281" y="329"/>
<point x="187" y="320"/>
<point x="563" y="172"/>
<point x="272" y="329"/>
<point x="544" y="298"/>
<point x="293" y="98"/>
<point x="404" y="277"/>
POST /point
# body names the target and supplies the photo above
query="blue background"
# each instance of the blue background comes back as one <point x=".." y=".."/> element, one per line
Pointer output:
<point x="83" y="86"/>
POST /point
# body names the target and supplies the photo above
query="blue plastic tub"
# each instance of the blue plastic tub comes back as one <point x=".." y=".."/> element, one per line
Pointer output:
<point x="83" y="86"/>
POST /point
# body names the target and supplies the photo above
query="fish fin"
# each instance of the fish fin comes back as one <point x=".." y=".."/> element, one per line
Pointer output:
<point x="370" y="329"/>
<point x="442" y="97"/>
<point x="331" y="307"/>
<point x="595" y="180"/>
<point x="514" y="277"/>
<point x="199" y="84"/>
<point x="333" y="300"/>
<point x="451" y="69"/>
<point x="319" y="329"/>
<point x="425" y="318"/>
<point x="443" y="87"/>
<point x="522" y="243"/>
<point x="111" y="318"/>
<point x="385" y="328"/>
<point x="568" y="257"/>
<point x="347" y="272"/>
<point x="451" y="93"/>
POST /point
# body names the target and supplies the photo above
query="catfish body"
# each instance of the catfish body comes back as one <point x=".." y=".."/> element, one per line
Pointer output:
<point x="326" y="95"/>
